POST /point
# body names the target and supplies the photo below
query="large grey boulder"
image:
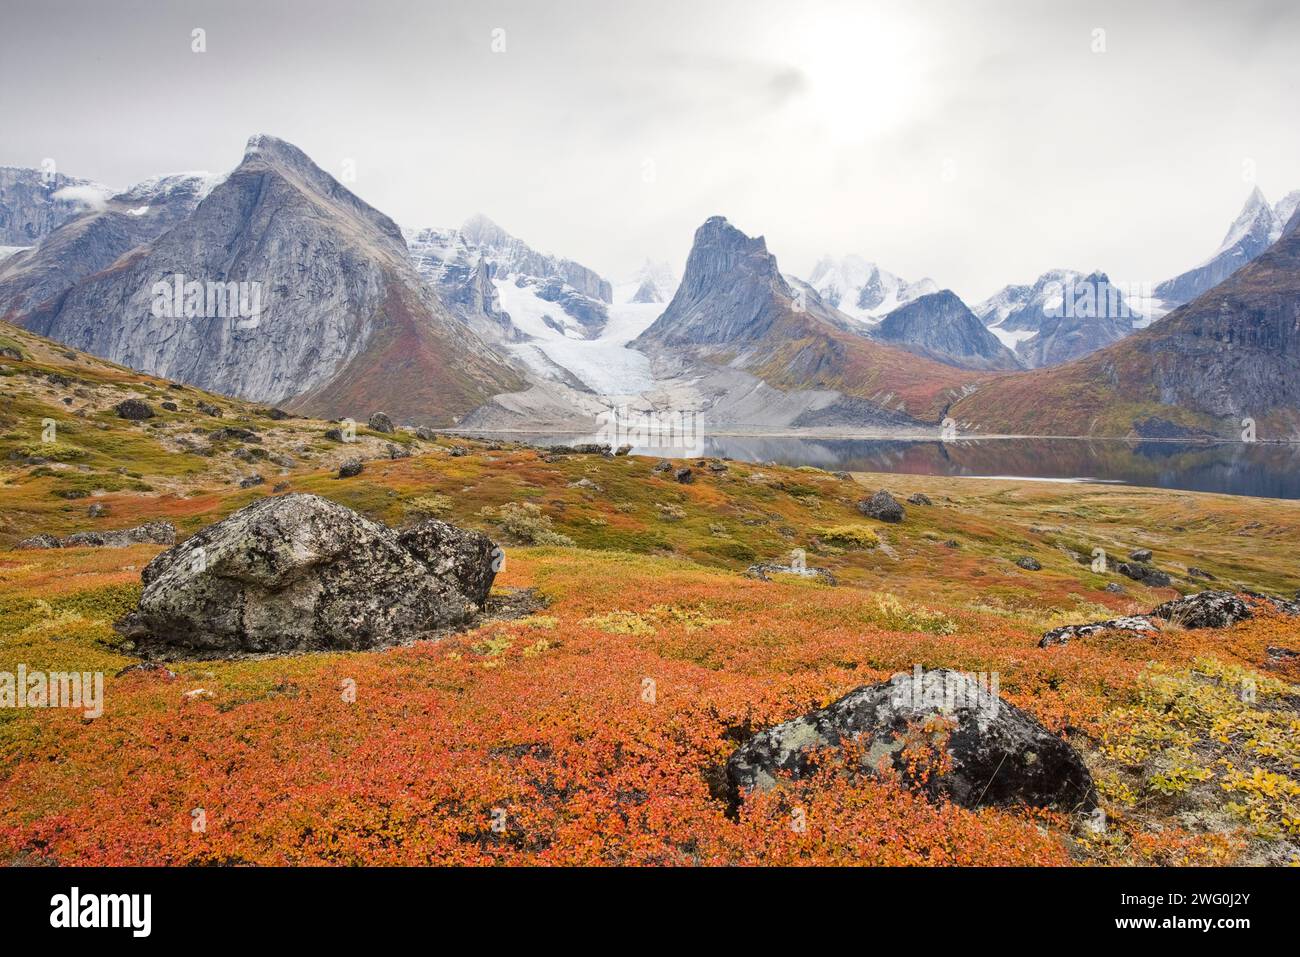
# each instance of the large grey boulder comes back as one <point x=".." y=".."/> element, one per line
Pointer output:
<point x="462" y="555"/>
<point x="301" y="573"/>
<point x="999" y="755"/>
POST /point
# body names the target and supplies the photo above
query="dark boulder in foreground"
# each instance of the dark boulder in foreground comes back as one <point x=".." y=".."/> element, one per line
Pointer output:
<point x="150" y="533"/>
<point x="882" y="506"/>
<point x="999" y="754"/>
<point x="301" y="573"/>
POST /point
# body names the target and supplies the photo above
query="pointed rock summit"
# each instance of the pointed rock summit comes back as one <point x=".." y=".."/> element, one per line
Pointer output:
<point x="940" y="327"/>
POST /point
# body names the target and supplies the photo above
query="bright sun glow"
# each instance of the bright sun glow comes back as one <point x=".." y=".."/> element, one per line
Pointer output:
<point x="865" y="71"/>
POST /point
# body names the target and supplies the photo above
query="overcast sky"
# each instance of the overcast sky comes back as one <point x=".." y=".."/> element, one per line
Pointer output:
<point x="975" y="143"/>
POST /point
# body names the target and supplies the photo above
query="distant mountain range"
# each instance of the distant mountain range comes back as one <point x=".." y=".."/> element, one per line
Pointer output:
<point x="1231" y="354"/>
<point x="473" y="325"/>
<point x="344" y="322"/>
<point x="1256" y="227"/>
<point x="862" y="290"/>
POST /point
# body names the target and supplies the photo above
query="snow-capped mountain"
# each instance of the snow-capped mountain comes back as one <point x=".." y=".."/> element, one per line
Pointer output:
<point x="1064" y="315"/>
<point x="863" y="290"/>
<point x="555" y="318"/>
<point x="653" y="282"/>
<point x="101" y="230"/>
<point x="33" y="203"/>
<point x="295" y="291"/>
<point x="1256" y="227"/>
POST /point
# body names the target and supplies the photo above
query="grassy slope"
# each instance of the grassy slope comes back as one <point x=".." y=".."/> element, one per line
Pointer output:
<point x="545" y="719"/>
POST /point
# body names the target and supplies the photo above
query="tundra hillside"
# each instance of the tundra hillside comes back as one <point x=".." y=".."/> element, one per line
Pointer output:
<point x="647" y="624"/>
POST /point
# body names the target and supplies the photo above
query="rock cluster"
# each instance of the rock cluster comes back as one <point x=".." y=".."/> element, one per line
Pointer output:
<point x="155" y="533"/>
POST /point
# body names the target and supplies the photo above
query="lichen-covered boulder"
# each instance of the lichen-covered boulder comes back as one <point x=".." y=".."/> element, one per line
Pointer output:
<point x="1140" y="625"/>
<point x="998" y="754"/>
<point x="882" y="506"/>
<point x="298" y="573"/>
<point x="1218" y="609"/>
<point x="379" y="422"/>
<point x="465" y="556"/>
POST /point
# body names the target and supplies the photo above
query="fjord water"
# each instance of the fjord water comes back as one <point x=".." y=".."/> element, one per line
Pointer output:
<point x="1268" y="470"/>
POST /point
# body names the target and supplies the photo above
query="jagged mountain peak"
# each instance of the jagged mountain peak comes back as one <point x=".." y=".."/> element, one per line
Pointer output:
<point x="941" y="327"/>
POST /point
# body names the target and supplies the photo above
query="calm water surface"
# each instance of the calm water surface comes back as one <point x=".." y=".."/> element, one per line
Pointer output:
<point x="1234" y="468"/>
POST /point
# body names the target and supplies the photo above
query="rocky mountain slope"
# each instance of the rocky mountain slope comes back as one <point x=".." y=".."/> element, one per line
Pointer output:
<point x="939" y="326"/>
<point x="93" y="239"/>
<point x="1063" y="315"/>
<point x="863" y="290"/>
<point x="1230" y="354"/>
<point x="477" y="266"/>
<point x="614" y="570"/>
<point x="1256" y="227"/>
<point x="33" y="204"/>
<point x="735" y="311"/>
<point x="342" y="318"/>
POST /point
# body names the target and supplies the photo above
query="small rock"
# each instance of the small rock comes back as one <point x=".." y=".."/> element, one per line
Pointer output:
<point x="334" y="435"/>
<point x="426" y="434"/>
<point x="762" y="571"/>
<point x="623" y="450"/>
<point x="276" y="415"/>
<point x="170" y="406"/>
<point x="919" y="498"/>
<point x="147" y="667"/>
<point x="882" y="507"/>
<point x="135" y="410"/>
<point x="207" y="408"/>
<point x="97" y="509"/>
<point x="1146" y="574"/>
<point x="1140" y="555"/>
<point x="1115" y="588"/>
<point x="1029" y="564"/>
<point x="351" y="468"/>
<point x="396" y="451"/>
<point x="379" y="422"/>
<point x="456" y="451"/>
<point x="684" y="475"/>
<point x="1194" y="572"/>
<point x="585" y="483"/>
<point x="952" y="543"/>
<point x="282" y="460"/>
<point x="1278" y="653"/>
<point x="1136" y="624"/>
<point x="250" y="481"/>
<point x="843" y="476"/>
<point x="664" y="466"/>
